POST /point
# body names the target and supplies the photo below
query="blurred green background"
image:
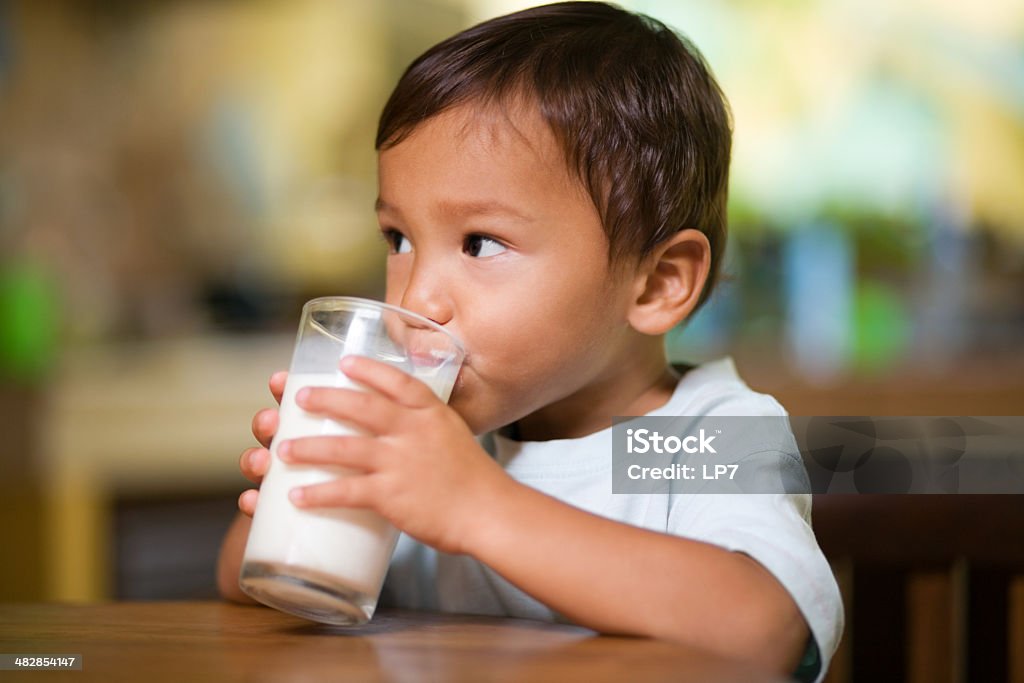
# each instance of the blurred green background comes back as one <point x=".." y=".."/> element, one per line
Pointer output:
<point x="178" y="176"/>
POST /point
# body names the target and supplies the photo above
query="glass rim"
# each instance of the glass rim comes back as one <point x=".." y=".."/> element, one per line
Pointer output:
<point x="348" y="302"/>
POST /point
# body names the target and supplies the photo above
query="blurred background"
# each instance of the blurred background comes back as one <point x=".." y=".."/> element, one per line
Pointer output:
<point x="178" y="176"/>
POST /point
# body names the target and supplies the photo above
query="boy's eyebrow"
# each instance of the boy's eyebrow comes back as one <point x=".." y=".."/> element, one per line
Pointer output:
<point x="464" y="209"/>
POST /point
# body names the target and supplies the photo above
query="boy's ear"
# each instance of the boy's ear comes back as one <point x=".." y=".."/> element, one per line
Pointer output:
<point x="669" y="282"/>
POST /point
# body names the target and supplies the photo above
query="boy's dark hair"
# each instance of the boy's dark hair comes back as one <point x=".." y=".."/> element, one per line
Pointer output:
<point x="639" y="116"/>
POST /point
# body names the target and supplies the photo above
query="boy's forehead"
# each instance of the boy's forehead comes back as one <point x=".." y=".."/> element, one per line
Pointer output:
<point x="497" y="125"/>
<point x="482" y="150"/>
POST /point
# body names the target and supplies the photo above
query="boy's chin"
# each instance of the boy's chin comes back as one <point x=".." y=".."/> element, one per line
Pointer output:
<point x="477" y="423"/>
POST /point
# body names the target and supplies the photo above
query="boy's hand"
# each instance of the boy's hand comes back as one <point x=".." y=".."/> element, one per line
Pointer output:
<point x="420" y="465"/>
<point x="255" y="461"/>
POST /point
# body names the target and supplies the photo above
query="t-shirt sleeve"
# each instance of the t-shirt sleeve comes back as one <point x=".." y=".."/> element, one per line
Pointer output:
<point x="774" y="530"/>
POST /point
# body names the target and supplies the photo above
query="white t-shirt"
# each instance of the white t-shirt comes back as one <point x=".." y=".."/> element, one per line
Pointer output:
<point x="774" y="529"/>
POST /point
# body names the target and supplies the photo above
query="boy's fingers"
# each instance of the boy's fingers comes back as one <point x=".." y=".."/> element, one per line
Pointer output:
<point x="344" y="451"/>
<point x="361" y="409"/>
<point x="277" y="382"/>
<point x="350" y="491"/>
<point x="254" y="463"/>
<point x="247" y="501"/>
<point x="264" y="426"/>
<point x="396" y="385"/>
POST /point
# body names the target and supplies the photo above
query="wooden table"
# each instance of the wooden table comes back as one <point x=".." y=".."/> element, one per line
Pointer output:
<point x="200" y="641"/>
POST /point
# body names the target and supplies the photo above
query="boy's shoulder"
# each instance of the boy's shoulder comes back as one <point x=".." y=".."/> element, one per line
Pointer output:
<point x="715" y="388"/>
<point x="752" y="427"/>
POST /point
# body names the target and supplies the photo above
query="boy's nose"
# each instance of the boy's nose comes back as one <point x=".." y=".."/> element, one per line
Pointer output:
<point x="430" y="310"/>
<point x="429" y="300"/>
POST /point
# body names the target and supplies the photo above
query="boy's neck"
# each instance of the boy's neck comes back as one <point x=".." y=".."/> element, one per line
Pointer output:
<point x="636" y="385"/>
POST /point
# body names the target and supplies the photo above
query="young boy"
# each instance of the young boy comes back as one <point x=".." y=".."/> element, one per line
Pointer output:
<point x="552" y="190"/>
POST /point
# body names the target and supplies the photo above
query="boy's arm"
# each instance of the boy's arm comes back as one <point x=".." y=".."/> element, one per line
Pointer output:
<point x="230" y="561"/>
<point x="253" y="465"/>
<point x="422" y="468"/>
<point x="638" y="581"/>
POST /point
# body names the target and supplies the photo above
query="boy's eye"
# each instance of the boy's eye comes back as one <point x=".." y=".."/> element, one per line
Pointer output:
<point x="480" y="246"/>
<point x="397" y="242"/>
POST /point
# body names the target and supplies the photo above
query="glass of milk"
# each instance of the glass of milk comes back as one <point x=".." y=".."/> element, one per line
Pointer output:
<point x="328" y="564"/>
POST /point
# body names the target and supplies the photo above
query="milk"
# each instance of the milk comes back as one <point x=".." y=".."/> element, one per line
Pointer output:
<point x="346" y="548"/>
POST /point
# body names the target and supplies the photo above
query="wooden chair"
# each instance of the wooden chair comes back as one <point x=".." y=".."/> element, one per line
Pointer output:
<point x="933" y="586"/>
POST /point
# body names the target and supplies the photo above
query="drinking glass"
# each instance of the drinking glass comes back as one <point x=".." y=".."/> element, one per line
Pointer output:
<point x="328" y="564"/>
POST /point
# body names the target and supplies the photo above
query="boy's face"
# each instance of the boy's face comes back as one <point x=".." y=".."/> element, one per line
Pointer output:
<point x="491" y="236"/>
